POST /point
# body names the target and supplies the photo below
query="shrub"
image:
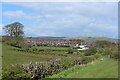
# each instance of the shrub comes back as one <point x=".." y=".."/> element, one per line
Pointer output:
<point x="90" y="51"/>
<point x="102" y="44"/>
<point x="87" y="59"/>
<point x="78" y="61"/>
<point x="40" y="70"/>
<point x="14" y="73"/>
<point x="34" y="49"/>
<point x="115" y="55"/>
<point x="67" y="64"/>
<point x="96" y="56"/>
<point x="16" y="42"/>
<point x="70" y="50"/>
<point x="100" y="51"/>
<point x="107" y="53"/>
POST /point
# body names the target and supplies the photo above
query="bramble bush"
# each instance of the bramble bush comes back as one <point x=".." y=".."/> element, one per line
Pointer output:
<point x="16" y="42"/>
<point x="87" y="59"/>
<point x="90" y="51"/>
<point x="115" y="55"/>
<point x="70" y="50"/>
<point x="97" y="56"/>
<point x="39" y="70"/>
<point x="102" y="44"/>
<point x="15" y="72"/>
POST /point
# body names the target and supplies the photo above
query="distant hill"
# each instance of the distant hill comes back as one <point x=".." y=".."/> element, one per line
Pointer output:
<point x="94" y="38"/>
<point x="46" y="37"/>
<point x="86" y="38"/>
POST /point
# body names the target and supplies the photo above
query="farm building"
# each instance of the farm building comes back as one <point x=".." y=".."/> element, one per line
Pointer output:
<point x="81" y="47"/>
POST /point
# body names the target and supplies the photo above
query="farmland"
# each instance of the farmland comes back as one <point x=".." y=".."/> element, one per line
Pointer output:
<point x="11" y="56"/>
<point x="59" y="39"/>
<point x="15" y="57"/>
<point x="58" y="50"/>
<point x="97" y="70"/>
<point x="67" y="66"/>
<point x="45" y="47"/>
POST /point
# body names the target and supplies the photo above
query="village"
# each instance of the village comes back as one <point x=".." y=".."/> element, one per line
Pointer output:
<point x="79" y="44"/>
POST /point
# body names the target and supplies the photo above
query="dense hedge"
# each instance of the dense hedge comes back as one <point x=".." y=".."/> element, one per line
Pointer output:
<point x="15" y="72"/>
<point x="90" y="51"/>
<point x="38" y="70"/>
<point x="114" y="54"/>
<point x="16" y="42"/>
<point x="39" y="52"/>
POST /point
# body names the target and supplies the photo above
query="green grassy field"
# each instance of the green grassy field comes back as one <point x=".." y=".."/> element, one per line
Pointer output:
<point x="16" y="57"/>
<point x="63" y="50"/>
<point x="45" y="47"/>
<point x="100" y="69"/>
<point x="11" y="56"/>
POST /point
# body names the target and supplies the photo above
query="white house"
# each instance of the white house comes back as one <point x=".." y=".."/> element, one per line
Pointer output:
<point x="81" y="47"/>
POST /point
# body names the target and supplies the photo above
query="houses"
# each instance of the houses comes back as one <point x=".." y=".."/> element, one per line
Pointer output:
<point x="59" y="43"/>
<point x="81" y="47"/>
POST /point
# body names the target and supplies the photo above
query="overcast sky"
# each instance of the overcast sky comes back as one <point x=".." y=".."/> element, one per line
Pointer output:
<point x="64" y="19"/>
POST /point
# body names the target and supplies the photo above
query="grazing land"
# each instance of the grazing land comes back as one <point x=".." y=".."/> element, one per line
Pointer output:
<point x="100" y="69"/>
<point x="46" y="47"/>
<point x="11" y="56"/>
<point x="59" y="62"/>
<point x="61" y="50"/>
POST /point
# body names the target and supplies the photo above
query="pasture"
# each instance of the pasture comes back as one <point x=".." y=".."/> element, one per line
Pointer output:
<point x="46" y="47"/>
<point x="108" y="68"/>
<point x="61" y="50"/>
<point x="10" y="56"/>
<point x="100" y="69"/>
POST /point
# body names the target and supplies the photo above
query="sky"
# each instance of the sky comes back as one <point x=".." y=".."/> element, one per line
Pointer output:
<point x="63" y="19"/>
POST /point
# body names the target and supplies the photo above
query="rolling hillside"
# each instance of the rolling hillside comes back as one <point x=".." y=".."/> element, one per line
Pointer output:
<point x="11" y="56"/>
<point x="86" y="38"/>
<point x="94" y="38"/>
<point x="46" y="37"/>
